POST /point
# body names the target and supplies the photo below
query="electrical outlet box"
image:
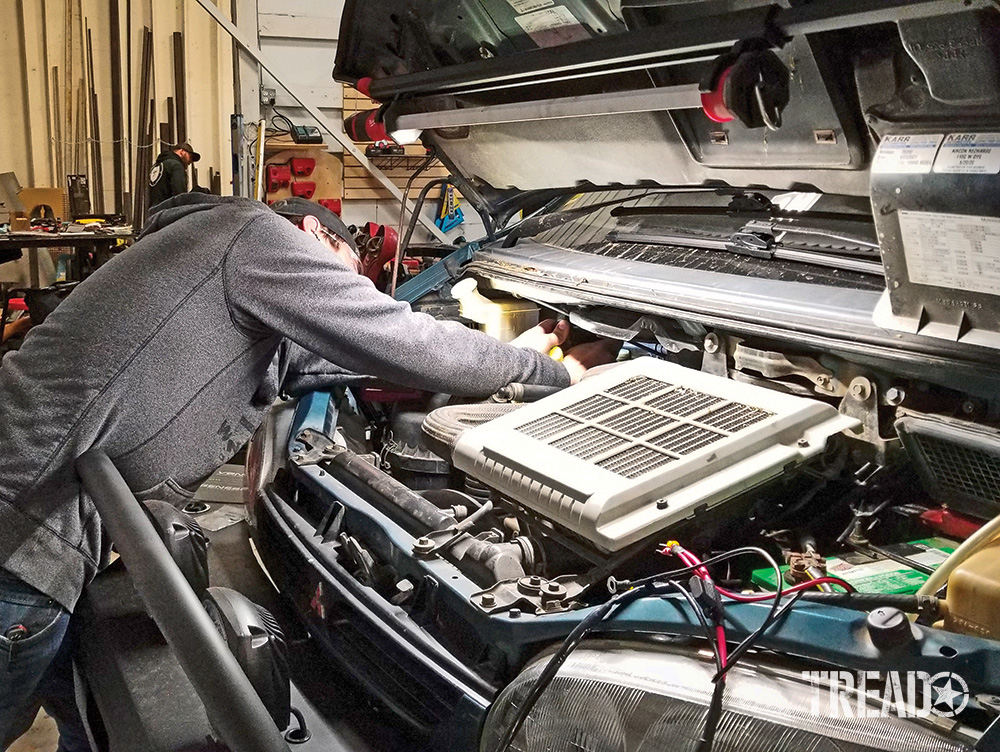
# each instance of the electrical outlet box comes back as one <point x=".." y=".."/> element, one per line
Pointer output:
<point x="268" y="96"/>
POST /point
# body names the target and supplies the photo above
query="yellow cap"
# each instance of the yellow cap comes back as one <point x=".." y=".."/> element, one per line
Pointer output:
<point x="556" y="353"/>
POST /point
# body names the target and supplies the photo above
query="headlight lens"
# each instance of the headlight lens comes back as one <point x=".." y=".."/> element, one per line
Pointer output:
<point x="613" y="697"/>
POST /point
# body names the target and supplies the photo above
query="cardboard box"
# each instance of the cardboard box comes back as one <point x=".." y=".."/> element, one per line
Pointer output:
<point x="49" y="203"/>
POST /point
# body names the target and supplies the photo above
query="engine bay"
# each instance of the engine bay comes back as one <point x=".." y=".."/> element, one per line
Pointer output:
<point x="863" y="487"/>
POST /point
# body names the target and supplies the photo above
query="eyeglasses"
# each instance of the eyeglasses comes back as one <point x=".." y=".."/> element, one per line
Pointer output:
<point x="342" y="249"/>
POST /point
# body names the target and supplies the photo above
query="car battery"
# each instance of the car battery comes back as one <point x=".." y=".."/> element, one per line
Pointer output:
<point x="936" y="205"/>
<point x="877" y="574"/>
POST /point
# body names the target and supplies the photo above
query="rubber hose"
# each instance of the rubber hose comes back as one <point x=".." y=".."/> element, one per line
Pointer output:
<point x="443" y="427"/>
<point x="911" y="604"/>
<point x="981" y="538"/>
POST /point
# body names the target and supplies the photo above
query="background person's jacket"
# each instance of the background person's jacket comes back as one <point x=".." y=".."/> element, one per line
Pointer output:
<point x="163" y="358"/>
<point x="167" y="178"/>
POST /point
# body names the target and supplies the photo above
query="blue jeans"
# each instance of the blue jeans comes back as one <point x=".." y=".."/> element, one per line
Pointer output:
<point x="36" y="668"/>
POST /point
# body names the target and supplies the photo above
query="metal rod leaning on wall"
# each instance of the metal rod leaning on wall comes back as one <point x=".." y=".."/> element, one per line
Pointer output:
<point x="117" y="120"/>
<point x="349" y="146"/>
<point x="97" y="178"/>
<point x="140" y="180"/>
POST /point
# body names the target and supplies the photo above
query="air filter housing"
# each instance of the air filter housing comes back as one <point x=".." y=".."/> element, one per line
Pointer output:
<point x="631" y="451"/>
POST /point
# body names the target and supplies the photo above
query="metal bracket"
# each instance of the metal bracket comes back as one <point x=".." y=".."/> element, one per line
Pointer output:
<point x="775" y="365"/>
<point x="315" y="447"/>
<point x="533" y="592"/>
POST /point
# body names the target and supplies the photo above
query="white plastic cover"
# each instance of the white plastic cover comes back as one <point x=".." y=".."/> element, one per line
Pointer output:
<point x="635" y="449"/>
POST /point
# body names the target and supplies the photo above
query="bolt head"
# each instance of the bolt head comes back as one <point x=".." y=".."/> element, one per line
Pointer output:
<point x="803" y="443"/>
<point x="489" y="600"/>
<point x="514" y="613"/>
<point x="711" y="344"/>
<point x="535" y="580"/>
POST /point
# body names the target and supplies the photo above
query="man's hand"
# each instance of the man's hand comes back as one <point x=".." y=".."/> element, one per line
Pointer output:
<point x="589" y="355"/>
<point x="544" y="337"/>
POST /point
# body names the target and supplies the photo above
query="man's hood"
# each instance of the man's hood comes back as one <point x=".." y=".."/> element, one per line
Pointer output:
<point x="180" y="207"/>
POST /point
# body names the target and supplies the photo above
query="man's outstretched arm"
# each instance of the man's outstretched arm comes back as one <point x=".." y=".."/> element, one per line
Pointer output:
<point x="279" y="279"/>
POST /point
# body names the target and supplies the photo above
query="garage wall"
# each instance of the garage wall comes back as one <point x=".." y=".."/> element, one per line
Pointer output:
<point x="301" y="36"/>
<point x="45" y="85"/>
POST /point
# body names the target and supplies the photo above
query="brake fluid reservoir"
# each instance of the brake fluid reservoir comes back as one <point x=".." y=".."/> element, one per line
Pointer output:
<point x="503" y="318"/>
<point x="974" y="594"/>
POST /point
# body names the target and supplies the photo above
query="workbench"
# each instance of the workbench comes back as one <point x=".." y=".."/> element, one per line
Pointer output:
<point x="92" y="247"/>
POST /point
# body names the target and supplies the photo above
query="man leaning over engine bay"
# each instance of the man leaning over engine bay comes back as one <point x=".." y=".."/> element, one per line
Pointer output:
<point x="165" y="358"/>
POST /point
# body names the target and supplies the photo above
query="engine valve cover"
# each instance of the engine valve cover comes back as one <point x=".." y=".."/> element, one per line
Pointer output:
<point x="637" y="448"/>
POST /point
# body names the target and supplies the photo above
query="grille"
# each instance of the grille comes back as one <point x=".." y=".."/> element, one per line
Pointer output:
<point x="592" y="407"/>
<point x="628" y="409"/>
<point x="635" y="461"/>
<point x="635" y="422"/>
<point x="686" y="438"/>
<point x="588" y="442"/>
<point x="733" y="417"/>
<point x="683" y="402"/>
<point x="963" y="469"/>
<point x="637" y="387"/>
<point x="548" y="426"/>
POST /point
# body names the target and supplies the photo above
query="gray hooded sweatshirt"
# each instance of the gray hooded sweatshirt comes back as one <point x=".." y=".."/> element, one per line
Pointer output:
<point x="163" y="359"/>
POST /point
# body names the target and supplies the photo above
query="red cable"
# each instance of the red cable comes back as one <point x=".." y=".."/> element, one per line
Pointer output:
<point x="742" y="598"/>
<point x="720" y="639"/>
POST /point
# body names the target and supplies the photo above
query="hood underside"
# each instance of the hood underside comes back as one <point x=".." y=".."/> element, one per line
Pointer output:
<point x="537" y="94"/>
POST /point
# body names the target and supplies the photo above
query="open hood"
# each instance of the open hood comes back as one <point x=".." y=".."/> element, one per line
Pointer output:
<point x="535" y="94"/>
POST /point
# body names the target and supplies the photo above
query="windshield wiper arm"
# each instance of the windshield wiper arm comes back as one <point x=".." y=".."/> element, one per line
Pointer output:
<point x="751" y="241"/>
<point x="742" y="205"/>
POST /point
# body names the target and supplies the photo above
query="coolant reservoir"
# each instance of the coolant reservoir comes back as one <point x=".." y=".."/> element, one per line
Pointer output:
<point x="974" y="594"/>
<point x="504" y="318"/>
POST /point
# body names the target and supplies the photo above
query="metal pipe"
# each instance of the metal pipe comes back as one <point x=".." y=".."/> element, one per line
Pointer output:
<point x="502" y="561"/>
<point x="684" y="96"/>
<point x="234" y="709"/>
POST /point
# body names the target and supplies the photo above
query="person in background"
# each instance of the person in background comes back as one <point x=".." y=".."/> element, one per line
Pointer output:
<point x="168" y="178"/>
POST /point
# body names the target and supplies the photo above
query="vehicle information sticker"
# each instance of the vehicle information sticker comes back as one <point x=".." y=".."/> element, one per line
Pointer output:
<point x="527" y="6"/>
<point x="907" y="154"/>
<point x="552" y="27"/>
<point x="952" y="250"/>
<point x="970" y="154"/>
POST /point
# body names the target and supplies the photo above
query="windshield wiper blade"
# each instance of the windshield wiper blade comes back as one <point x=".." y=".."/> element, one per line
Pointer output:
<point x="742" y="205"/>
<point x="759" y="245"/>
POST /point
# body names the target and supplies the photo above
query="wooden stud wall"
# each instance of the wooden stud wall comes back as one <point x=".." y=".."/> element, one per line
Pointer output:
<point x="46" y="121"/>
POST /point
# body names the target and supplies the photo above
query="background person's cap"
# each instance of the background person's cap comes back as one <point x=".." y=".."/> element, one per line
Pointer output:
<point x="297" y="207"/>
<point x="186" y="146"/>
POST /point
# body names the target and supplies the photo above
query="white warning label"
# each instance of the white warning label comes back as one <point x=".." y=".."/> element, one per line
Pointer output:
<point x="552" y="27"/>
<point x="970" y="154"/>
<point x="907" y="154"/>
<point x="957" y="251"/>
<point x="527" y="6"/>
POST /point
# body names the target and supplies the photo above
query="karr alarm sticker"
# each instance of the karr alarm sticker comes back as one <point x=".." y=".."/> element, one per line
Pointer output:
<point x="957" y="251"/>
<point x="552" y="27"/>
<point x="910" y="154"/>
<point x="527" y="6"/>
<point x="969" y="154"/>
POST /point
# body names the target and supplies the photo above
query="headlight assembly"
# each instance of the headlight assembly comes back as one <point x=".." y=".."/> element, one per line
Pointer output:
<point x="616" y="697"/>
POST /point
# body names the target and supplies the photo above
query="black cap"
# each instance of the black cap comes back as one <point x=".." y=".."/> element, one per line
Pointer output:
<point x="186" y="146"/>
<point x="296" y="208"/>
